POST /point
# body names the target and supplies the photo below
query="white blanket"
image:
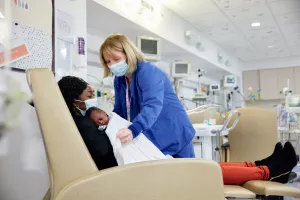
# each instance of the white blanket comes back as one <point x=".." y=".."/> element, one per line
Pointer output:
<point x="138" y="150"/>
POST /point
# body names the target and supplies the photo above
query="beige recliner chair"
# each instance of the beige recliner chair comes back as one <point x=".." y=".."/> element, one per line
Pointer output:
<point x="254" y="138"/>
<point x="74" y="175"/>
<point x="197" y="116"/>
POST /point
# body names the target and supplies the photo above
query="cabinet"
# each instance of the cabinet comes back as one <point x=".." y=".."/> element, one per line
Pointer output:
<point x="250" y="79"/>
<point x="297" y="80"/>
<point x="272" y="81"/>
<point x="269" y="84"/>
<point x="283" y="75"/>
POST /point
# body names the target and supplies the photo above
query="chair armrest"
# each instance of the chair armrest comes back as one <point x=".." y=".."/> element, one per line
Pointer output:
<point x="150" y="180"/>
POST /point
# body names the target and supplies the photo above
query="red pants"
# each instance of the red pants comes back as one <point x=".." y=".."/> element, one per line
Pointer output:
<point x="240" y="173"/>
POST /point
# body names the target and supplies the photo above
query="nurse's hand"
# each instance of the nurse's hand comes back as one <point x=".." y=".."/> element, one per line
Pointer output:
<point x="125" y="135"/>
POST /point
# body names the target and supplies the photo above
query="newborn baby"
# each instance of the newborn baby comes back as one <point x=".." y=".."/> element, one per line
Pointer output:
<point x="98" y="116"/>
<point x="139" y="150"/>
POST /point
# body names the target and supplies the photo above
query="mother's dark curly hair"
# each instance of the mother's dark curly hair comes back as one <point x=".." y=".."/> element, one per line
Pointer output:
<point x="71" y="88"/>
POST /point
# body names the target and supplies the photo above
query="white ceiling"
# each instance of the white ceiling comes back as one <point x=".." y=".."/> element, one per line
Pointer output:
<point x="102" y="22"/>
<point x="228" y="23"/>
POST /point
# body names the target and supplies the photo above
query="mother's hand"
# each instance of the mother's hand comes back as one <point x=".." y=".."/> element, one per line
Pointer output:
<point x="125" y="135"/>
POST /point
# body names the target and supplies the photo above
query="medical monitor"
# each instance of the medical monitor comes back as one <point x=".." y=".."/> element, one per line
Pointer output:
<point x="150" y="47"/>
<point x="181" y="69"/>
<point x="293" y="103"/>
<point x="214" y="87"/>
<point x="229" y="81"/>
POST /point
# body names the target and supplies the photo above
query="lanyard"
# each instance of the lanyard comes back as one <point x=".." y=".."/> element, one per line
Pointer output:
<point x="128" y="101"/>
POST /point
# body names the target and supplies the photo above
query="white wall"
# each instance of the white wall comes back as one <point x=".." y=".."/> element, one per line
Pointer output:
<point x="94" y="42"/>
<point x="23" y="165"/>
<point x="77" y="9"/>
<point x="172" y="29"/>
<point x="272" y="63"/>
<point x="266" y="104"/>
<point x="41" y="8"/>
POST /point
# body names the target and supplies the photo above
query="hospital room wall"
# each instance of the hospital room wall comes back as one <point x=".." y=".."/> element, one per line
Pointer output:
<point x="23" y="165"/>
<point x="24" y="17"/>
<point x="187" y="92"/>
<point x="172" y="28"/>
<point x="22" y="155"/>
<point x="77" y="23"/>
<point x="94" y="42"/>
<point x="71" y="8"/>
<point x="266" y="104"/>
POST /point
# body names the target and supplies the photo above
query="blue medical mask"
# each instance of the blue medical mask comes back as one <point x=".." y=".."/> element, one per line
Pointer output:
<point x="91" y="103"/>
<point x="88" y="104"/>
<point x="120" y="68"/>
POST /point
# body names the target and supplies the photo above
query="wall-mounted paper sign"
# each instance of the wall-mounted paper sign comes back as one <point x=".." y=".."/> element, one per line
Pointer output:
<point x="18" y="50"/>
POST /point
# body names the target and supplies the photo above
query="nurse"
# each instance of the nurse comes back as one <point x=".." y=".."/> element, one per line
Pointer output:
<point x="144" y="95"/>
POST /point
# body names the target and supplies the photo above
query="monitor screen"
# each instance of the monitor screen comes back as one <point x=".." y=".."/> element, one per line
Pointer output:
<point x="149" y="46"/>
<point x="231" y="80"/>
<point x="294" y="102"/>
<point x="181" y="68"/>
<point x="214" y="87"/>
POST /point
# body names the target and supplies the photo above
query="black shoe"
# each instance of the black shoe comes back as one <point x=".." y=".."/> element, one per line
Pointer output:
<point x="281" y="167"/>
<point x="292" y="176"/>
<point x="290" y="155"/>
<point x="277" y="151"/>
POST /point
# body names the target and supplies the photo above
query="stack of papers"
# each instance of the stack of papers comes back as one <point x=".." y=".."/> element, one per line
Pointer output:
<point x="139" y="149"/>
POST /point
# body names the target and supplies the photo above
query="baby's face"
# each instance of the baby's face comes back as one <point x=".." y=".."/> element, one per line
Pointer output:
<point x="99" y="118"/>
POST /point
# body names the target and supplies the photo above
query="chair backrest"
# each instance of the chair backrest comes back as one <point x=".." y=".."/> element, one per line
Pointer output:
<point x="68" y="157"/>
<point x="219" y="118"/>
<point x="176" y="179"/>
<point x="255" y="135"/>
<point x="197" y="117"/>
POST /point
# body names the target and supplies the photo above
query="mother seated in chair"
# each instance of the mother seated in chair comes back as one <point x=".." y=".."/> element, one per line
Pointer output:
<point x="79" y="96"/>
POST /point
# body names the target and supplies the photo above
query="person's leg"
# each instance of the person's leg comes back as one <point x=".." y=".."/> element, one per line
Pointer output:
<point x="186" y="152"/>
<point x="235" y="175"/>
<point x="238" y="164"/>
<point x="277" y="168"/>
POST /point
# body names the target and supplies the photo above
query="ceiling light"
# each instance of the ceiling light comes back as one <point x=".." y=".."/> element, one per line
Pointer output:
<point x="255" y="24"/>
<point x="271" y="46"/>
<point x="187" y="33"/>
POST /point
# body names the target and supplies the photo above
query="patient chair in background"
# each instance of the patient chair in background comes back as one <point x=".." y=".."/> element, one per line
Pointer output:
<point x="254" y="138"/>
<point x="74" y="175"/>
<point x="198" y="116"/>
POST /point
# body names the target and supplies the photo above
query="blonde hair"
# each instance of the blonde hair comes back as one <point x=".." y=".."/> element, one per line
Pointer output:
<point x="120" y="42"/>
